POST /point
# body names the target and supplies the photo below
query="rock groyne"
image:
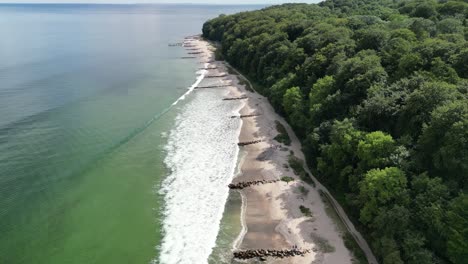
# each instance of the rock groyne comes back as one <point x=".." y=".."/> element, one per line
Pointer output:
<point x="241" y="144"/>
<point x="243" y="185"/>
<point x="262" y="254"/>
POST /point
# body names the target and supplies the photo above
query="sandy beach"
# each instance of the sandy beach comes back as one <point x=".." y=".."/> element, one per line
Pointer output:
<point x="271" y="217"/>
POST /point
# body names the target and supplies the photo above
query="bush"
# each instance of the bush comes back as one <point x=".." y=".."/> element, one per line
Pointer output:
<point x="287" y="179"/>
<point x="283" y="136"/>
<point x="305" y="211"/>
<point x="303" y="190"/>
<point x="298" y="167"/>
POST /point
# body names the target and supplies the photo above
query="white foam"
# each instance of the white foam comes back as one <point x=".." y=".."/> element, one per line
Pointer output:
<point x="191" y="88"/>
<point x="202" y="157"/>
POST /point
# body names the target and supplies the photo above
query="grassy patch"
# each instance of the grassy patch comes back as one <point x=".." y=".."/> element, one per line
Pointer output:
<point x="283" y="136"/>
<point x="303" y="190"/>
<point x="230" y="70"/>
<point x="218" y="55"/>
<point x="244" y="82"/>
<point x="332" y="213"/>
<point x="322" y="244"/>
<point x="287" y="179"/>
<point x="305" y="211"/>
<point x="350" y="243"/>
<point x="298" y="167"/>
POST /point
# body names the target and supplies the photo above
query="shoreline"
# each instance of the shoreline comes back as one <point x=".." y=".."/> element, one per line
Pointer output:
<point x="271" y="214"/>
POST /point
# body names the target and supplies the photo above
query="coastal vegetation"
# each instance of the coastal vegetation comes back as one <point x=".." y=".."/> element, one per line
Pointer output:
<point x="305" y="211"/>
<point x="377" y="93"/>
<point x="287" y="179"/>
<point x="322" y="243"/>
<point x="282" y="136"/>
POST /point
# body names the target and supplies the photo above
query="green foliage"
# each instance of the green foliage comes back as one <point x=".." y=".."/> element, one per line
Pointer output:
<point x="350" y="243"/>
<point x="293" y="104"/>
<point x="379" y="189"/>
<point x="298" y="167"/>
<point x="337" y="156"/>
<point x="303" y="190"/>
<point x="323" y="245"/>
<point x="287" y="179"/>
<point x="283" y="136"/>
<point x="375" y="149"/>
<point x="377" y="93"/>
<point x="305" y="211"/>
<point x="444" y="142"/>
<point x="458" y="230"/>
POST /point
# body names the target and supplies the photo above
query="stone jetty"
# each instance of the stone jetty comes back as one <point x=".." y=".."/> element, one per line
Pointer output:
<point x="212" y="86"/>
<point x="194" y="53"/>
<point x="189" y="57"/>
<point x="244" y="116"/>
<point x="241" y="144"/>
<point x="175" y="44"/>
<point x="262" y="254"/>
<point x="216" y="76"/>
<point x="234" y="98"/>
<point x="242" y="185"/>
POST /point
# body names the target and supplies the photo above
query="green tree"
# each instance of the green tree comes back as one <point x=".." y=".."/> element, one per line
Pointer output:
<point x="293" y="104"/>
<point x="335" y="163"/>
<point x="457" y="244"/>
<point x="379" y="189"/>
<point x="444" y="142"/>
<point x="320" y="96"/>
<point x="461" y="63"/>
<point x="372" y="38"/>
<point x="430" y="198"/>
<point x="359" y="73"/>
<point x="277" y="91"/>
<point x="374" y="150"/>
<point x="421" y="102"/>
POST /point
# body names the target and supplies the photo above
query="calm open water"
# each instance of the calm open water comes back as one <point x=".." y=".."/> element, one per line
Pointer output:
<point x="86" y="124"/>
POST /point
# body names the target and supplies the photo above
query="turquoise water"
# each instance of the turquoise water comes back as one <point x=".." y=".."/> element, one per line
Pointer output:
<point x="85" y="113"/>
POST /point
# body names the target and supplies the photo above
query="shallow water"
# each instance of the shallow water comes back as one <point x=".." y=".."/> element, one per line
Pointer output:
<point x="86" y="112"/>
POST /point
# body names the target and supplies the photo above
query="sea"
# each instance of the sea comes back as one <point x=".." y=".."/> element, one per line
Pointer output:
<point x="107" y="153"/>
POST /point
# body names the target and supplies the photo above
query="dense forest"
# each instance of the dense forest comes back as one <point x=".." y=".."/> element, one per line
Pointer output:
<point x="377" y="92"/>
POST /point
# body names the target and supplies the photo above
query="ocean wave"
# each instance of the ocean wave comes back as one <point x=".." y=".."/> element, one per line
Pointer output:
<point x="201" y="76"/>
<point x="201" y="156"/>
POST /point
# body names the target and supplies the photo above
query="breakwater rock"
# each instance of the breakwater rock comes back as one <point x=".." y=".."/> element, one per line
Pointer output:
<point x="235" y="98"/>
<point x="241" y="144"/>
<point x="216" y="76"/>
<point x="244" y="116"/>
<point x="263" y="253"/>
<point x="242" y="185"/>
<point x="212" y="86"/>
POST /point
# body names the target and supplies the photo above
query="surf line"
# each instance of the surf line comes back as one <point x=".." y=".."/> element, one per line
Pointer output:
<point x="191" y="88"/>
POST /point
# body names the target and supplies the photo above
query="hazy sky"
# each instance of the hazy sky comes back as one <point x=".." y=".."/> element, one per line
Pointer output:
<point x="164" y="1"/>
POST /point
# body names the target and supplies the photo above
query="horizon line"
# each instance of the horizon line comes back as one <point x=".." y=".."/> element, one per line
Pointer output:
<point x="136" y="3"/>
